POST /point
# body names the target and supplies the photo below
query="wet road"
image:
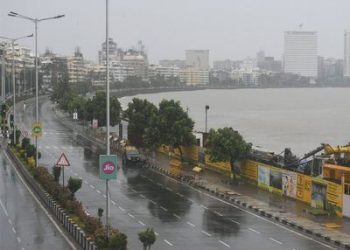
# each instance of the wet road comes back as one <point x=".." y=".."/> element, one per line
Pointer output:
<point x="23" y="223"/>
<point x="183" y="218"/>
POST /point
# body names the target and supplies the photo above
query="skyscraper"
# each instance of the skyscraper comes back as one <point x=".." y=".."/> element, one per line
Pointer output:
<point x="347" y="53"/>
<point x="197" y="59"/>
<point x="300" y="53"/>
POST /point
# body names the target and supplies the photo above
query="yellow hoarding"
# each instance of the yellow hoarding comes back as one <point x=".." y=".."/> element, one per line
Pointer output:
<point x="249" y="170"/>
<point x="304" y="185"/>
<point x="334" y="196"/>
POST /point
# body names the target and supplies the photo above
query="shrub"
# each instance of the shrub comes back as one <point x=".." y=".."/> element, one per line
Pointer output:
<point x="74" y="184"/>
<point x="25" y="142"/>
<point x="56" y="171"/>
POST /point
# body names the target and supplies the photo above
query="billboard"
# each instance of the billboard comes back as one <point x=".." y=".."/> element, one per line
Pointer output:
<point x="304" y="188"/>
<point x="276" y="180"/>
<point x="263" y="176"/>
<point x="318" y="197"/>
<point x="108" y="167"/>
<point x="289" y="184"/>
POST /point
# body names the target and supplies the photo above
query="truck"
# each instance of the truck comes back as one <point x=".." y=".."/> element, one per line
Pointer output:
<point x="131" y="156"/>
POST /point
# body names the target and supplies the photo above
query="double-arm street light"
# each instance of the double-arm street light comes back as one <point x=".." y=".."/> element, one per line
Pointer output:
<point x="13" y="40"/>
<point x="206" y="118"/>
<point x="35" y="21"/>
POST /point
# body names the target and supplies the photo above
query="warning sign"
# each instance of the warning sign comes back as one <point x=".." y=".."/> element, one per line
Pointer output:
<point x="63" y="161"/>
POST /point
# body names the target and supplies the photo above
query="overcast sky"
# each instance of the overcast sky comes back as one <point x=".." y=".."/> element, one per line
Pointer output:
<point x="230" y="29"/>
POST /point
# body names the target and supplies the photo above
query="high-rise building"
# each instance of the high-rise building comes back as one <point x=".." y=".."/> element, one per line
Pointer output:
<point x="197" y="59"/>
<point x="77" y="71"/>
<point x="113" y="52"/>
<point x="347" y="53"/>
<point x="300" y="53"/>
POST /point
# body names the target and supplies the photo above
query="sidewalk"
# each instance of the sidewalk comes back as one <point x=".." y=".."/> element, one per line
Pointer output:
<point x="278" y="208"/>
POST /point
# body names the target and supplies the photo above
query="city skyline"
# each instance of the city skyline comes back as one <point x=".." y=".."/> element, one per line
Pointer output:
<point x="178" y="27"/>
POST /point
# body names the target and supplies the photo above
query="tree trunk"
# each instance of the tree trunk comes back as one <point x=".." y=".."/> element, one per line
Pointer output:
<point x="179" y="147"/>
<point x="233" y="173"/>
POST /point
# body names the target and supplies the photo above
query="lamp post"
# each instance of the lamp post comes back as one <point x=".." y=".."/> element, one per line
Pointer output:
<point x="35" y="21"/>
<point x="206" y="118"/>
<point x="13" y="40"/>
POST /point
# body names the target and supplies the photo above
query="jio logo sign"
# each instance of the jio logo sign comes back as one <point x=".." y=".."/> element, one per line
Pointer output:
<point x="108" y="167"/>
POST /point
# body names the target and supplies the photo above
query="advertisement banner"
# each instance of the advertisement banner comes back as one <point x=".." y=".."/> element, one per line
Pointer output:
<point x="289" y="184"/>
<point x="276" y="180"/>
<point x="318" y="198"/>
<point x="263" y="177"/>
<point x="108" y="167"/>
<point x="250" y="170"/>
<point x="304" y="188"/>
<point x="334" y="196"/>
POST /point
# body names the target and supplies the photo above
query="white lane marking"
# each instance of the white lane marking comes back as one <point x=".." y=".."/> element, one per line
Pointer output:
<point x="141" y="223"/>
<point x="169" y="189"/>
<point x="164" y="208"/>
<point x="130" y="215"/>
<point x="156" y="233"/>
<point x="10" y="221"/>
<point x="75" y="174"/>
<point x="47" y="147"/>
<point x="132" y="189"/>
<point x="218" y="214"/>
<point x="98" y="191"/>
<point x="119" y="181"/>
<point x="161" y="185"/>
<point x="92" y="186"/>
<point x="189" y="223"/>
<point x="253" y="230"/>
<point x="278" y="242"/>
<point x="181" y="195"/>
<point x="143" y="196"/>
<point x="14" y="230"/>
<point x="121" y="208"/>
<point x="153" y="202"/>
<point x="238" y="223"/>
<point x="206" y="233"/>
<point x="3" y="208"/>
<point x="191" y="200"/>
<point x="113" y="202"/>
<point x="255" y="215"/>
<point x="55" y="147"/>
<point x="86" y="182"/>
<point x="104" y="196"/>
<point x="204" y="207"/>
<point x="19" y="239"/>
<point x="166" y="241"/>
<point x="177" y="216"/>
<point x="225" y="244"/>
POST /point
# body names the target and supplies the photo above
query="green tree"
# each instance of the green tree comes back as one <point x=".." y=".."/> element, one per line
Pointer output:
<point x="56" y="172"/>
<point x="25" y="142"/>
<point x="147" y="237"/>
<point x="118" y="242"/>
<point x="171" y="127"/>
<point x="99" y="213"/>
<point x="139" y="114"/>
<point x="227" y="144"/>
<point x="74" y="184"/>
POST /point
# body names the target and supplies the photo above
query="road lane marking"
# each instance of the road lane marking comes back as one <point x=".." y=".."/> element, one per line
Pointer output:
<point x="156" y="233"/>
<point x="189" y="223"/>
<point x="218" y="214"/>
<point x="253" y="230"/>
<point x="19" y="239"/>
<point x="130" y="215"/>
<point x="143" y="196"/>
<point x="225" y="244"/>
<point x="113" y="202"/>
<point x="177" y="216"/>
<point x="161" y="185"/>
<point x="3" y="208"/>
<point x="181" y="195"/>
<point x="238" y="223"/>
<point x="104" y="196"/>
<point x="169" y="189"/>
<point x="121" y="208"/>
<point x="204" y="207"/>
<point x="98" y="191"/>
<point x="75" y="174"/>
<point x="14" y="230"/>
<point x="132" y="189"/>
<point x="166" y="241"/>
<point x="119" y="181"/>
<point x="10" y="221"/>
<point x="143" y="224"/>
<point x="153" y="202"/>
<point x="191" y="200"/>
<point x="278" y="242"/>
<point x="206" y="233"/>
<point x="92" y="186"/>
<point x="166" y="210"/>
<point x="86" y="182"/>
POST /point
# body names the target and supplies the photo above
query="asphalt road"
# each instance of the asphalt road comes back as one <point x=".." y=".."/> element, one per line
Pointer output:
<point x="23" y="223"/>
<point x="183" y="218"/>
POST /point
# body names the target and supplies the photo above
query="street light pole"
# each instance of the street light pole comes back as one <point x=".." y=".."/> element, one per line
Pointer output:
<point x="13" y="40"/>
<point x="206" y="118"/>
<point x="35" y="21"/>
<point x="107" y="113"/>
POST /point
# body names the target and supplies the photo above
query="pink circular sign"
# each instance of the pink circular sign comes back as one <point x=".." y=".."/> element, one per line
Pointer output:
<point x="108" y="167"/>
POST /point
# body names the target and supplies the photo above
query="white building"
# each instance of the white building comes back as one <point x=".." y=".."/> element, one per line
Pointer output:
<point x="347" y="53"/>
<point x="77" y="72"/>
<point x="192" y="77"/>
<point x="197" y="59"/>
<point x="300" y="53"/>
<point x="166" y="72"/>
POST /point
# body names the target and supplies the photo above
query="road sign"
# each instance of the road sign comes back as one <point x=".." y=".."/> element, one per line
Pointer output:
<point x="63" y="161"/>
<point x="94" y="123"/>
<point x="37" y="129"/>
<point x="108" y="167"/>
